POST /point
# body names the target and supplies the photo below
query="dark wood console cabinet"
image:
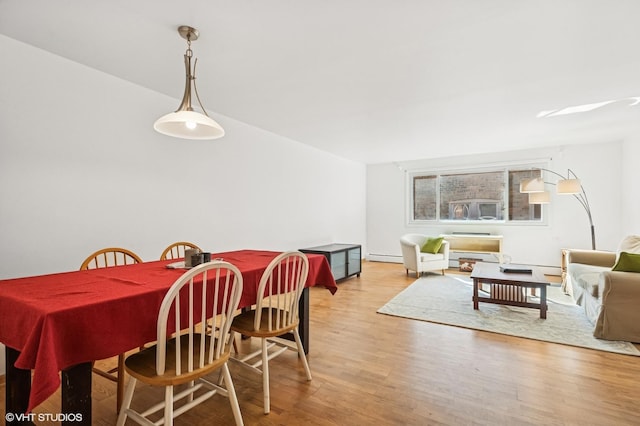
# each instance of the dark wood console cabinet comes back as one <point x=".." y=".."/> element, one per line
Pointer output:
<point x="345" y="259"/>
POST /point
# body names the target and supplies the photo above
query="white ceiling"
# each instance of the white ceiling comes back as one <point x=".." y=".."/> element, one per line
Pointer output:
<point x="369" y="80"/>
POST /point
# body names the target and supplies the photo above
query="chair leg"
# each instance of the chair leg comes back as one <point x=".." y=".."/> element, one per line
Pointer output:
<point x="168" y="406"/>
<point x="232" y="339"/>
<point x="301" y="354"/>
<point x="126" y="403"/>
<point x="190" y="385"/>
<point x="231" y="392"/>
<point x="265" y="377"/>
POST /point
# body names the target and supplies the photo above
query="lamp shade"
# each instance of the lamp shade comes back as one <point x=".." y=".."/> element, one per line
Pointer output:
<point x="568" y="186"/>
<point x="532" y="185"/>
<point x="543" y="197"/>
<point x="188" y="125"/>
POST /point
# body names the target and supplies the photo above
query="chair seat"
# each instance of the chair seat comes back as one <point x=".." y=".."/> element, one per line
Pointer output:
<point x="142" y="365"/>
<point x="244" y="323"/>
<point x="429" y="257"/>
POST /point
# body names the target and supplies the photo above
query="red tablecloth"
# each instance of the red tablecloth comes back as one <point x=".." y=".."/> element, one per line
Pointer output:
<point x="60" y="320"/>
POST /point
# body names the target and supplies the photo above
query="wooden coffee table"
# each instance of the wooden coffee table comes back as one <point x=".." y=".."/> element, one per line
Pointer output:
<point x="509" y="288"/>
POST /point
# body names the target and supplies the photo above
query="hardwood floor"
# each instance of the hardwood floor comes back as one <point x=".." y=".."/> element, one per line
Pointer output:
<point x="370" y="369"/>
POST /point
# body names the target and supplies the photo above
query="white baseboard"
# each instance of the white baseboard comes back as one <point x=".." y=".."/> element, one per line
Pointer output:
<point x="390" y="258"/>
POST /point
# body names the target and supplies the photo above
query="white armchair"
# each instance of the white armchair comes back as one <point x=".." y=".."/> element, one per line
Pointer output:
<point x="414" y="260"/>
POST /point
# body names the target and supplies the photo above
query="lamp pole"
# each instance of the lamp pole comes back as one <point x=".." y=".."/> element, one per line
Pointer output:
<point x="582" y="199"/>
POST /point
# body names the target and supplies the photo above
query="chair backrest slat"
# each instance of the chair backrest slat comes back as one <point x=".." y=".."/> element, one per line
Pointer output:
<point x="178" y="347"/>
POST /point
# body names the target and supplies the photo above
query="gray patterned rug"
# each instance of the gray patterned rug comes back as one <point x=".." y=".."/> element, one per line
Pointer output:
<point x="447" y="300"/>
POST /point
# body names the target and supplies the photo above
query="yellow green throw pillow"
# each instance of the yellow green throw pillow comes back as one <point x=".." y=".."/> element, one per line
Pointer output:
<point x="627" y="262"/>
<point x="432" y="245"/>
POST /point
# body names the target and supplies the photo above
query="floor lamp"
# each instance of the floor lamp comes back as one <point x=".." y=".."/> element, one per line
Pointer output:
<point x="569" y="185"/>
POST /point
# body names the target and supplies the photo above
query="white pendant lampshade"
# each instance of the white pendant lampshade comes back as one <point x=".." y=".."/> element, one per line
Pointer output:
<point x="568" y="186"/>
<point x="543" y="197"/>
<point x="186" y="123"/>
<point x="532" y="185"/>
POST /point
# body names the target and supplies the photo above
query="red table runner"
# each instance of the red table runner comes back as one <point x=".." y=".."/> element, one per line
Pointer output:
<point x="60" y="320"/>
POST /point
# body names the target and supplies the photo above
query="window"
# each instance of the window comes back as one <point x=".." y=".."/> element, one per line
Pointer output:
<point x="473" y="196"/>
<point x="519" y="207"/>
<point x="424" y="197"/>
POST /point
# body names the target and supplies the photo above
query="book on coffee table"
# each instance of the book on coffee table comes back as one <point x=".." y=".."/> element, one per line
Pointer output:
<point x="516" y="269"/>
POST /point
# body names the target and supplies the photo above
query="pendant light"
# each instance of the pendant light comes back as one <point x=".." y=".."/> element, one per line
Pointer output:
<point x="186" y="123"/>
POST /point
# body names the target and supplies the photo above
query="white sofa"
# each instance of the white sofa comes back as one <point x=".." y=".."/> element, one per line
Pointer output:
<point x="414" y="260"/>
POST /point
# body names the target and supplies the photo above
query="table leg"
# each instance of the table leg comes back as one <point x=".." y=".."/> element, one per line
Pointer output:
<point x="18" y="387"/>
<point x="76" y="393"/>
<point x="303" y="313"/>
<point x="543" y="302"/>
<point x="476" y="284"/>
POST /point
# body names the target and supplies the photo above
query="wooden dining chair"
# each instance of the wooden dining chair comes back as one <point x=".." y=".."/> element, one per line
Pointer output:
<point x="187" y="350"/>
<point x="112" y="256"/>
<point x="176" y="250"/>
<point x="275" y="313"/>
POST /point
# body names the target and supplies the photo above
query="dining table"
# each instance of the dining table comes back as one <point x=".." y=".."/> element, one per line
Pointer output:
<point x="54" y="326"/>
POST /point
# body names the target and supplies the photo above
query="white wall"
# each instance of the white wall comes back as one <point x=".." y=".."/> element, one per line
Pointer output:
<point x="81" y="168"/>
<point x="630" y="187"/>
<point x="597" y="165"/>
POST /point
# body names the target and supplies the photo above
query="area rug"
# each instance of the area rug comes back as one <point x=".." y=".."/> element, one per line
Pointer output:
<point x="448" y="300"/>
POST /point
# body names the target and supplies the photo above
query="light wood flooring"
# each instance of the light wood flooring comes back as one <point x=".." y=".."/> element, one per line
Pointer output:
<point x="373" y="369"/>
